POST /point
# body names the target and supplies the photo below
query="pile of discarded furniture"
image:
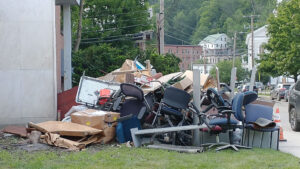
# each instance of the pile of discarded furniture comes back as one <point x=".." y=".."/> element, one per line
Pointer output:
<point x="134" y="103"/>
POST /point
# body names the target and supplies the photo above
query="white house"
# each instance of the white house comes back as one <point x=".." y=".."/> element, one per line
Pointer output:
<point x="216" y="48"/>
<point x="259" y="40"/>
<point x="215" y="41"/>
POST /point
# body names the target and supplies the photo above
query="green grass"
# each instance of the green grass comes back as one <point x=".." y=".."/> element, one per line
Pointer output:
<point x="124" y="157"/>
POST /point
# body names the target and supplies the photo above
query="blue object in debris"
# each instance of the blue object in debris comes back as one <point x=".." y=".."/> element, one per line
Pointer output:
<point x="123" y="128"/>
<point x="139" y="66"/>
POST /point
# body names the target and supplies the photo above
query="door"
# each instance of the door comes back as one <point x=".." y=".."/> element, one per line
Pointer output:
<point x="296" y="98"/>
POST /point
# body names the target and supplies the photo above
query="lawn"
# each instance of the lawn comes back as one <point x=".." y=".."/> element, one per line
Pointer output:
<point x="123" y="157"/>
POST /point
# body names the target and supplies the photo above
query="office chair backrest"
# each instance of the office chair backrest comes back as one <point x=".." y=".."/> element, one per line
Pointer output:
<point x="240" y="100"/>
<point x="250" y="96"/>
<point x="176" y="98"/>
<point x="255" y="111"/>
<point x="213" y="94"/>
<point x="237" y="104"/>
<point x="132" y="90"/>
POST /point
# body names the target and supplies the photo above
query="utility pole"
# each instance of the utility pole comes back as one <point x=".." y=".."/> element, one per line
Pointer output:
<point x="252" y="37"/>
<point x="204" y="60"/>
<point x="234" y="46"/>
<point x="158" y="32"/>
<point x="252" y="41"/>
<point x="161" y="27"/>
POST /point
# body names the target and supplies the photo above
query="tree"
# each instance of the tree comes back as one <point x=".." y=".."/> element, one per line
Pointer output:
<point x="165" y="64"/>
<point x="283" y="56"/>
<point x="96" y="61"/>
<point x="225" y="71"/>
<point x="79" y="30"/>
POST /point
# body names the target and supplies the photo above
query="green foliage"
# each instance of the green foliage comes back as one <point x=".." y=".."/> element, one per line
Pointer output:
<point x="283" y="57"/>
<point x="96" y="61"/>
<point x="165" y="64"/>
<point x="111" y="22"/>
<point x="107" y="35"/>
<point x="225" y="71"/>
<point x="262" y="77"/>
<point x="193" y="20"/>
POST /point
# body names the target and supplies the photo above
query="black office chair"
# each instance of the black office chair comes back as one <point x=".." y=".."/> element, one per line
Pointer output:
<point x="133" y="111"/>
<point x="172" y="112"/>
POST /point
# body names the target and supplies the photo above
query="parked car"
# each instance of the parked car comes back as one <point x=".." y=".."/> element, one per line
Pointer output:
<point x="287" y="93"/>
<point x="294" y="106"/>
<point x="279" y="91"/>
<point x="247" y="87"/>
<point x="260" y="85"/>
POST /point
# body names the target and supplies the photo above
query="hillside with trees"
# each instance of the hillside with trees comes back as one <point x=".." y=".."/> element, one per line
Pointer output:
<point x="193" y="20"/>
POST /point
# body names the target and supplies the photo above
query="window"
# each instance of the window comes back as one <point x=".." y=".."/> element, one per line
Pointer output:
<point x="182" y="51"/>
<point x="177" y="51"/>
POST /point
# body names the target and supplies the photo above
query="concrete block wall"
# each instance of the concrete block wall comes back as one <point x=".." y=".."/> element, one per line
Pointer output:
<point x="27" y="61"/>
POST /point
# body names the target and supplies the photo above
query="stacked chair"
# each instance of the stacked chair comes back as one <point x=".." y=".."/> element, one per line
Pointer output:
<point x="223" y="121"/>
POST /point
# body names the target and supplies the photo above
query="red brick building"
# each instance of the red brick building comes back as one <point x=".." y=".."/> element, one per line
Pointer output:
<point x="187" y="53"/>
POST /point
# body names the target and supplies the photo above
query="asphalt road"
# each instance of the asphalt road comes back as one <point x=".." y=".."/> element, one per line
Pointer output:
<point x="292" y="145"/>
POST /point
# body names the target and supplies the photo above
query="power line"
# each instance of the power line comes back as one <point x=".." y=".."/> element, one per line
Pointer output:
<point x="117" y="14"/>
<point x="174" y="35"/>
<point x="182" y="24"/>
<point x="115" y="28"/>
<point x="178" y="39"/>
<point x="111" y="40"/>
<point x="124" y="35"/>
<point x="122" y="21"/>
<point x="181" y="31"/>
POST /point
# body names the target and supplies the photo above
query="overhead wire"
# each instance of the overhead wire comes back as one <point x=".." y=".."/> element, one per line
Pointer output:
<point x="117" y="14"/>
<point x="184" y="25"/>
<point x="124" y="35"/>
<point x="178" y="39"/>
<point x="94" y="31"/>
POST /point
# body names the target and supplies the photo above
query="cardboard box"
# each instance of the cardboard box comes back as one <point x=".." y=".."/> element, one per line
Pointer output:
<point x="103" y="120"/>
<point x="183" y="84"/>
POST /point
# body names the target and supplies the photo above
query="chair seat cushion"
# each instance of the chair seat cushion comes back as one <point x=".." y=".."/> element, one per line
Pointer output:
<point x="222" y="121"/>
<point x="171" y="111"/>
<point x="251" y="126"/>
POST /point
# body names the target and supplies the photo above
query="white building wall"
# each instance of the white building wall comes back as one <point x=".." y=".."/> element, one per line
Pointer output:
<point x="260" y="38"/>
<point x="28" y="65"/>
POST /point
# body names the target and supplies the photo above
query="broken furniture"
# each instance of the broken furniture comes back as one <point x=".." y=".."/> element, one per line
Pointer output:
<point x="89" y="91"/>
<point x="260" y="136"/>
<point x="132" y="112"/>
<point x="223" y="121"/>
<point x="137" y="135"/>
<point x="173" y="111"/>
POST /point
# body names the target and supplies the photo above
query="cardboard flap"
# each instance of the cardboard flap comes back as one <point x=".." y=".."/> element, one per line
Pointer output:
<point x="65" y="128"/>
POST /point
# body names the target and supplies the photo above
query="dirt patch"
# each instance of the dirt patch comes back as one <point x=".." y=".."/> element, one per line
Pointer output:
<point x="14" y="143"/>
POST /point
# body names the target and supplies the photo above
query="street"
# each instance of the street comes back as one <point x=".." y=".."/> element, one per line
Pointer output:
<point x="292" y="145"/>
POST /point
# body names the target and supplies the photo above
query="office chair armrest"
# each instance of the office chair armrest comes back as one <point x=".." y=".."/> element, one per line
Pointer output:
<point x="221" y="108"/>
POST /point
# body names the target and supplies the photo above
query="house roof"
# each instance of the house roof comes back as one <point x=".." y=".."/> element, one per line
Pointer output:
<point x="212" y="38"/>
<point x="262" y="30"/>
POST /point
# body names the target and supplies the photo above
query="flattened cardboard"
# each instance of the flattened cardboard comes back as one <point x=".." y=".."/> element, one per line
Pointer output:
<point x="65" y="128"/>
<point x="98" y="119"/>
<point x="57" y="140"/>
<point x="18" y="130"/>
